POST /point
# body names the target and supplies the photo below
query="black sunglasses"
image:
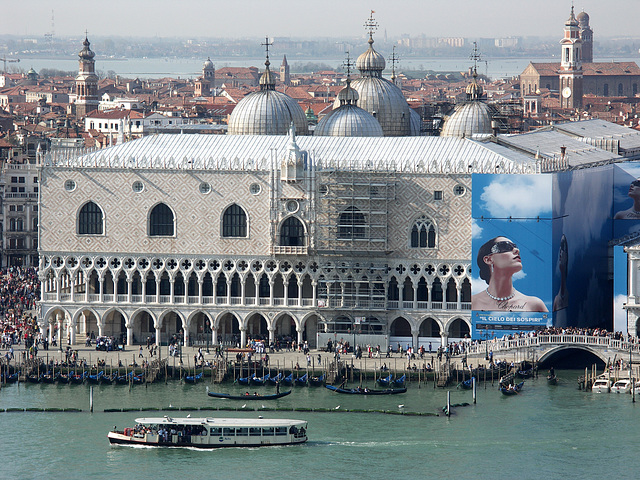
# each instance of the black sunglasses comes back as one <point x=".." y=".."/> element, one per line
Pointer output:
<point x="636" y="183"/>
<point x="503" y="246"/>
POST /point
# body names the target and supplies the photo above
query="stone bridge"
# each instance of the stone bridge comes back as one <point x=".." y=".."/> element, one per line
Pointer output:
<point x="550" y="349"/>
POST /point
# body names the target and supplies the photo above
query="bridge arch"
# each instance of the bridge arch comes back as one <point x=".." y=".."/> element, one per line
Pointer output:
<point x="557" y="354"/>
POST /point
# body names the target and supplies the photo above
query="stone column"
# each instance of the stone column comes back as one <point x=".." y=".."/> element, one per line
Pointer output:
<point x="129" y="289"/>
<point x="243" y="336"/>
<point x="299" y="332"/>
<point x="459" y="293"/>
<point x="72" y="332"/>
<point x="415" y="340"/>
<point x="214" y="333"/>
<point x="243" y="288"/>
<point x="272" y="335"/>
<point x="172" y="285"/>
<point x="257" y="282"/>
<point x="401" y="295"/>
<point x="444" y="339"/>
<point x="200" y="284"/>
<point x="129" y="334"/>
<point x="158" y="334"/>
<point x="58" y="288"/>
<point x="185" y="334"/>
<point x="101" y="293"/>
<point x="228" y="291"/>
<point x="157" y="290"/>
<point x="270" y="293"/>
<point x="143" y="283"/>
<point x="59" y="324"/>
<point x="72" y="289"/>
<point x="314" y="295"/>
<point x="215" y="290"/>
<point x="286" y="292"/>
<point x="300" y="293"/>
<point x="415" y="297"/>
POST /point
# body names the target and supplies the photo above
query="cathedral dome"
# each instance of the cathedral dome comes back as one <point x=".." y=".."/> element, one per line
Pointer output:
<point x="371" y="63"/>
<point x="468" y="119"/>
<point x="348" y="121"/>
<point x="207" y="64"/>
<point x="267" y="112"/>
<point x="386" y="103"/>
<point x="416" y="123"/>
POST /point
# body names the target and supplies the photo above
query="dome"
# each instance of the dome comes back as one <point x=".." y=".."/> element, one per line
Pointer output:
<point x="385" y="102"/>
<point x="348" y="120"/>
<point x="347" y="96"/>
<point x="371" y="63"/>
<point x="468" y="119"/>
<point x="474" y="91"/>
<point x="86" y="52"/>
<point x="267" y="112"/>
<point x="583" y="18"/>
<point x="416" y="123"/>
<point x="207" y="64"/>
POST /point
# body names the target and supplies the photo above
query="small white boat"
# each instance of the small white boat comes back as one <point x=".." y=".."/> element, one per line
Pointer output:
<point x="621" y="386"/>
<point x="210" y="432"/>
<point x="601" y="385"/>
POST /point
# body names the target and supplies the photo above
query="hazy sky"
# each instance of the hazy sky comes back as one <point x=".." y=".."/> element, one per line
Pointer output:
<point x="304" y="18"/>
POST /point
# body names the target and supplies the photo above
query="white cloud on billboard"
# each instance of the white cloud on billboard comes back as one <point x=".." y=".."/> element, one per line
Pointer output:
<point x="476" y="230"/>
<point x="518" y="196"/>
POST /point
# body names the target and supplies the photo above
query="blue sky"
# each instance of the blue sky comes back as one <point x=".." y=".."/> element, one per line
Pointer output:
<point x="305" y="18"/>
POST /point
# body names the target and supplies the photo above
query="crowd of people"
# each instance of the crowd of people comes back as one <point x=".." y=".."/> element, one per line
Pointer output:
<point x="19" y="291"/>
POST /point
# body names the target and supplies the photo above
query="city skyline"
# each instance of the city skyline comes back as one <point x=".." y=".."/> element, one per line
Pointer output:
<point x="284" y="18"/>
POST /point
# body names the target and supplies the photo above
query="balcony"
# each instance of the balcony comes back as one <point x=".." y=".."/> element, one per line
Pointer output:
<point x="279" y="250"/>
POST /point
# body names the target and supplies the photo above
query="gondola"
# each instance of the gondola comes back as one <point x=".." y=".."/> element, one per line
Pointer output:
<point x="552" y="380"/>
<point x="34" y="378"/>
<point x="12" y="378"/>
<point x="260" y="381"/>
<point x="137" y="379"/>
<point x="288" y="380"/>
<point x="77" y="378"/>
<point x="512" y="389"/>
<point x="316" y="381"/>
<point x="243" y="380"/>
<point x="366" y="391"/>
<point x="275" y="380"/>
<point x="466" y="384"/>
<point x="248" y="396"/>
<point x="525" y="373"/>
<point x="124" y="379"/>
<point x="302" y="381"/>
<point x="399" y="382"/>
<point x="49" y="377"/>
<point x="384" y="382"/>
<point x="95" y="379"/>
<point x="63" y="378"/>
<point x="193" y="379"/>
<point x="108" y="379"/>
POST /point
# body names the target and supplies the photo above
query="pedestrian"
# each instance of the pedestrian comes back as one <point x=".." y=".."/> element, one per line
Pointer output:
<point x="140" y="353"/>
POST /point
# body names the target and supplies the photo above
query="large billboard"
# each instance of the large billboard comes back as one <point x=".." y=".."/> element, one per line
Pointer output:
<point x="626" y="199"/>
<point x="620" y="289"/>
<point x="582" y="229"/>
<point x="511" y="254"/>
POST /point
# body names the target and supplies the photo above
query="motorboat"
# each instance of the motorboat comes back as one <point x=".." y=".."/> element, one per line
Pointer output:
<point x="210" y="432"/>
<point x="601" y="385"/>
<point x="621" y="386"/>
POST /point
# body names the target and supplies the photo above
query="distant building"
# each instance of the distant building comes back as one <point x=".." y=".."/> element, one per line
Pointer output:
<point x="86" y="82"/>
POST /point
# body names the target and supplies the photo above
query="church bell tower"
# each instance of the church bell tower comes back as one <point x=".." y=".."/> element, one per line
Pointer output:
<point x="570" y="73"/>
<point x="86" y="82"/>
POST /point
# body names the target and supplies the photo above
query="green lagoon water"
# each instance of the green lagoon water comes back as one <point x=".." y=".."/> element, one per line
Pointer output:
<point x="546" y="432"/>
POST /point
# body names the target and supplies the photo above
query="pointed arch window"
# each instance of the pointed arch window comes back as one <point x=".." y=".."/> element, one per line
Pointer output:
<point x="292" y="233"/>
<point x="234" y="222"/>
<point x="423" y="233"/>
<point x="161" y="221"/>
<point x="351" y="224"/>
<point x="90" y="220"/>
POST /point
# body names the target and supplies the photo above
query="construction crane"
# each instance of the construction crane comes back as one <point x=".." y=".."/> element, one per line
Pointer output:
<point x="10" y="60"/>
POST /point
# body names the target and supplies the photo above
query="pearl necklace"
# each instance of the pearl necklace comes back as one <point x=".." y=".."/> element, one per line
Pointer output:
<point x="500" y="299"/>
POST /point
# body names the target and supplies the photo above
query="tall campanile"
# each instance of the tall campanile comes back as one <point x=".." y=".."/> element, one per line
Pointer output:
<point x="86" y="82"/>
<point x="570" y="73"/>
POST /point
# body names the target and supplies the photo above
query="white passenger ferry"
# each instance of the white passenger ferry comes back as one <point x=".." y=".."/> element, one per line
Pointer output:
<point x="210" y="432"/>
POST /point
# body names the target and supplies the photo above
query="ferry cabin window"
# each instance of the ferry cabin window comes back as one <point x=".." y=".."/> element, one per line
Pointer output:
<point x="215" y="432"/>
<point x="281" y="431"/>
<point x="268" y="432"/>
<point x="242" y="432"/>
<point x="229" y="432"/>
<point x="255" y="432"/>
